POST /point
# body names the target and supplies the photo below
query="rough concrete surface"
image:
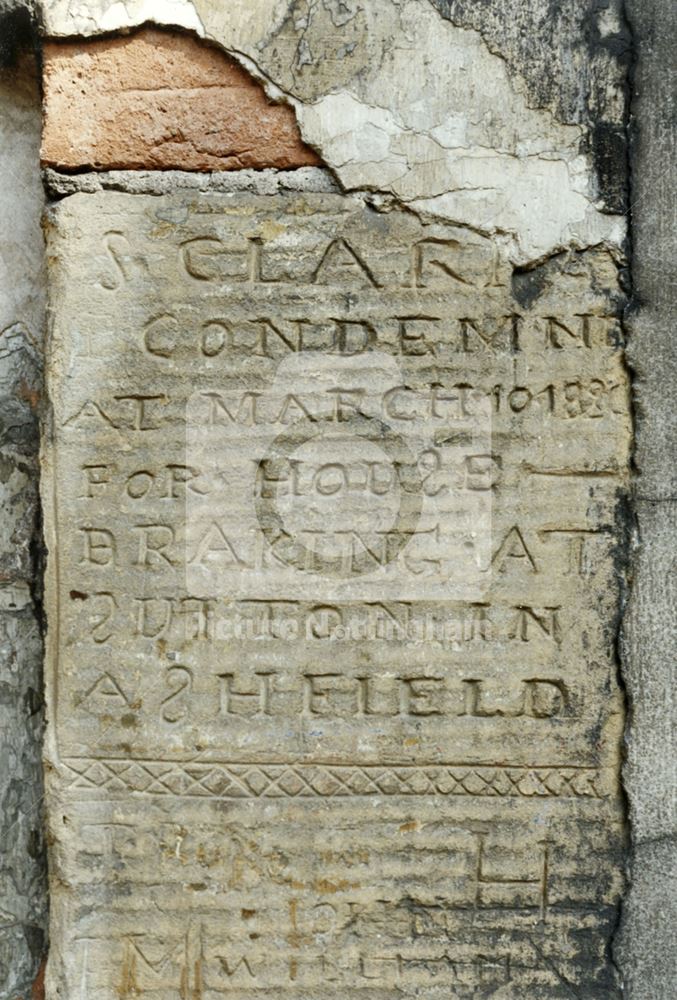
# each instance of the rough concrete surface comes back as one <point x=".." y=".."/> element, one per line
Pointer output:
<point x="23" y="902"/>
<point x="159" y="100"/>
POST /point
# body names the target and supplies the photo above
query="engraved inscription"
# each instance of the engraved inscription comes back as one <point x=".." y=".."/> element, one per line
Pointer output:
<point x="332" y="519"/>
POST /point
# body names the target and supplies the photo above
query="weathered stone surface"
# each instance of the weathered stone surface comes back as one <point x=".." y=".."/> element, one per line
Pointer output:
<point x="23" y="916"/>
<point x="645" y="945"/>
<point x="645" y="948"/>
<point x="651" y="347"/>
<point x="160" y="100"/>
<point x="23" y="889"/>
<point x="331" y="500"/>
<point x="400" y="100"/>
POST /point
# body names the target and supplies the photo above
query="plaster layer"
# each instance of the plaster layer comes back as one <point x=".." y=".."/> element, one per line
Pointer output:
<point x="574" y="58"/>
<point x="398" y="100"/>
<point x="84" y="17"/>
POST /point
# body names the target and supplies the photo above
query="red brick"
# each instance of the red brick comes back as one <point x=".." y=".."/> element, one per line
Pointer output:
<point x="159" y="100"/>
<point x="38" y="991"/>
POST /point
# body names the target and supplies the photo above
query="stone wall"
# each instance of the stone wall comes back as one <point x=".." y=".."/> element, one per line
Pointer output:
<point x="434" y="199"/>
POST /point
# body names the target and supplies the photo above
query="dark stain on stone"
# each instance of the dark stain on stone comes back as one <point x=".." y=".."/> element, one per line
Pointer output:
<point x="528" y="284"/>
<point x="34" y="845"/>
<point x="608" y="147"/>
<point x="624" y="531"/>
<point x="16" y="35"/>
<point x="33" y="701"/>
<point x="35" y="939"/>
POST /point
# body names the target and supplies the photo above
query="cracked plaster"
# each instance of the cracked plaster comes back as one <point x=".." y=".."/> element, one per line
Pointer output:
<point x="437" y="121"/>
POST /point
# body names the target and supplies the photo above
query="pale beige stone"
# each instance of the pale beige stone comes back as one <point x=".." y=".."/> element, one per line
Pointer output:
<point x="261" y="782"/>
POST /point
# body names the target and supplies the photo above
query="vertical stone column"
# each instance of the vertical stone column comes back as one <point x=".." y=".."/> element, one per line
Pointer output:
<point x="23" y="902"/>
<point x="645" y="949"/>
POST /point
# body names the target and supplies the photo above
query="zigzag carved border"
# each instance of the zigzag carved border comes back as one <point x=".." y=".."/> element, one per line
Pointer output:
<point x="307" y="780"/>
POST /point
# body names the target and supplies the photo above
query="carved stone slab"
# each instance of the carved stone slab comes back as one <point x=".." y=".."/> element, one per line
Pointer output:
<point x="333" y="498"/>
